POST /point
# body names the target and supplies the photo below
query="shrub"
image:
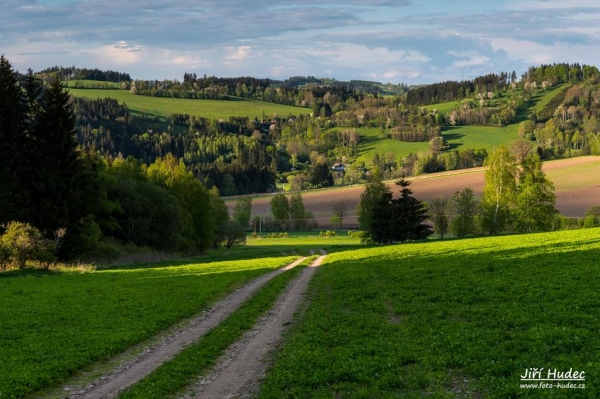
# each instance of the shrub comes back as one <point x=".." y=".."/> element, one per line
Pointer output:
<point x="591" y="221"/>
<point x="25" y="242"/>
<point x="568" y="223"/>
<point x="328" y="233"/>
<point x="357" y="234"/>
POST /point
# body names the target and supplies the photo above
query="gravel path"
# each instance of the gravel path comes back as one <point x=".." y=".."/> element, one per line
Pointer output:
<point x="151" y="357"/>
<point x="239" y="371"/>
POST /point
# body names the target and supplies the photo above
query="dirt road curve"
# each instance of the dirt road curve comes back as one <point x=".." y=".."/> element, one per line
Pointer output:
<point x="238" y="373"/>
<point x="138" y="367"/>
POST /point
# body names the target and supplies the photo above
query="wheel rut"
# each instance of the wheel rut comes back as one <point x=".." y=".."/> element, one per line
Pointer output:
<point x="153" y="355"/>
<point x="239" y="371"/>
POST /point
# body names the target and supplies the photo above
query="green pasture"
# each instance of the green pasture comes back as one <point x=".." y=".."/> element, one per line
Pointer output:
<point x="443" y="108"/>
<point x="458" y="137"/>
<point x="473" y="137"/>
<point x="544" y="97"/>
<point x="370" y="143"/>
<point x="447" y="319"/>
<point x="145" y="106"/>
<point x="56" y="323"/>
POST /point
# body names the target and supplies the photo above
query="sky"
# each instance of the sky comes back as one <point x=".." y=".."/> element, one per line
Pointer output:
<point x="389" y="41"/>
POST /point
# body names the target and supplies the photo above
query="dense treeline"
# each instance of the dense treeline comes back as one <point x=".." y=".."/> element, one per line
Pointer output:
<point x="70" y="73"/>
<point x="453" y="90"/>
<point x="214" y="88"/>
<point x="561" y="73"/>
<point x="79" y="198"/>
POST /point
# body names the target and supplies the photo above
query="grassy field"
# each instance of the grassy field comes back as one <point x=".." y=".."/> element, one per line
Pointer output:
<point x="447" y="319"/>
<point x="443" y="108"/>
<point x="544" y="98"/>
<point x="54" y="324"/>
<point x="370" y="143"/>
<point x="473" y="137"/>
<point x="459" y="137"/>
<point x="163" y="107"/>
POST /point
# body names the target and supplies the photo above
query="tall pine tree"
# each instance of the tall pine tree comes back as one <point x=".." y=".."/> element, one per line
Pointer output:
<point x="61" y="178"/>
<point x="12" y="142"/>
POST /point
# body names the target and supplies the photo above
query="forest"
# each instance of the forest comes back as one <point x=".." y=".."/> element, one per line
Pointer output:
<point x="61" y="198"/>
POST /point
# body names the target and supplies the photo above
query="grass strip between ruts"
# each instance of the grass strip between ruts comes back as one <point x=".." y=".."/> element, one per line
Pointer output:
<point x="176" y="374"/>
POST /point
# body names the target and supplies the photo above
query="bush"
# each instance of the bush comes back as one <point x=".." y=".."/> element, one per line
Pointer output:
<point x="357" y="234"/>
<point x="23" y="242"/>
<point x="568" y="223"/>
<point x="328" y="233"/>
<point x="591" y="221"/>
<point x="593" y="210"/>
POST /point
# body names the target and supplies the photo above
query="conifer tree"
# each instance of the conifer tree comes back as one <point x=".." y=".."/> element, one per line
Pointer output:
<point x="61" y="180"/>
<point x="12" y="141"/>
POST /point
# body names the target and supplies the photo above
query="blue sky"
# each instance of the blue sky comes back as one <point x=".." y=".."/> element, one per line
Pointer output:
<point x="398" y="41"/>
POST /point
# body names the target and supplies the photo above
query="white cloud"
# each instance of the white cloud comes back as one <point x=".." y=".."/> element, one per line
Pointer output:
<point x="238" y="54"/>
<point x="470" y="58"/>
<point x="120" y="53"/>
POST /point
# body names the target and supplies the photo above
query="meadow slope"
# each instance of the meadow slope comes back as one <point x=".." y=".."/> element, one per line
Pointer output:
<point x="447" y="319"/>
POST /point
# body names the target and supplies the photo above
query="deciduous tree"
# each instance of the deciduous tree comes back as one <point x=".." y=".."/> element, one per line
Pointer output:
<point x="280" y="208"/>
<point x="297" y="212"/>
<point x="500" y="191"/>
<point x="243" y="211"/>
<point x="439" y="209"/>
<point x="465" y="209"/>
<point x="340" y="211"/>
<point x="374" y="191"/>
<point x="535" y="201"/>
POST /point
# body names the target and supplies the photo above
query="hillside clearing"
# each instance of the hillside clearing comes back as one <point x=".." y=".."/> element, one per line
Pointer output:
<point x="149" y="107"/>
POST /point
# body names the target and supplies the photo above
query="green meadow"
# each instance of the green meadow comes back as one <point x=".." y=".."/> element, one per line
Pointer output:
<point x="149" y="107"/>
<point x="458" y="137"/>
<point x="447" y="319"/>
<point x="443" y="319"/>
<point x="54" y="324"/>
<point x="370" y="143"/>
<point x="473" y="137"/>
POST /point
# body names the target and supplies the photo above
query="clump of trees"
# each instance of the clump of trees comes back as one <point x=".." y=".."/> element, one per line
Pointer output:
<point x="290" y="214"/>
<point x="386" y="219"/>
<point x="516" y="197"/>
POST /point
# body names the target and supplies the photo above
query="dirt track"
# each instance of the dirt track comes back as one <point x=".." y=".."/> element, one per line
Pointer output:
<point x="239" y="371"/>
<point x="152" y="356"/>
<point x="570" y="201"/>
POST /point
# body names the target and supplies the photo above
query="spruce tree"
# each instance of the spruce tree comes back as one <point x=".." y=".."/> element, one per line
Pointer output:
<point x="399" y="219"/>
<point x="62" y="180"/>
<point x="12" y="142"/>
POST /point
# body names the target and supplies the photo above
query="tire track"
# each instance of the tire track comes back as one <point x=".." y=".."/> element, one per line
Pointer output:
<point x="239" y="371"/>
<point x="154" y="355"/>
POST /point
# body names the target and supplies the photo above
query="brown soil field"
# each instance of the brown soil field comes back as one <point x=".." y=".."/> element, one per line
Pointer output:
<point x="576" y="182"/>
